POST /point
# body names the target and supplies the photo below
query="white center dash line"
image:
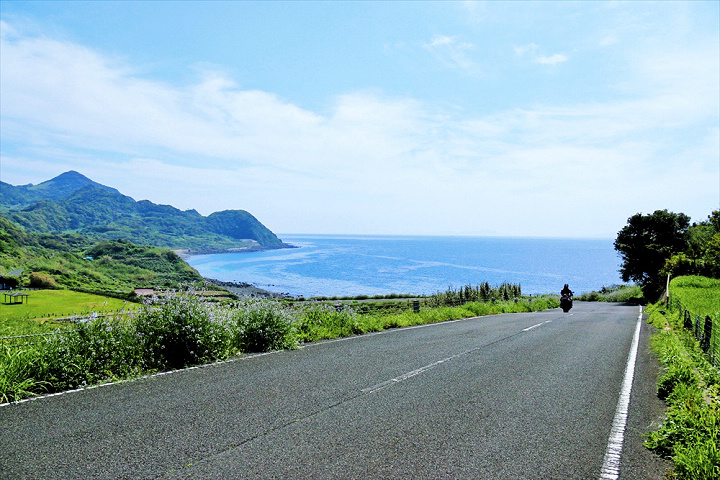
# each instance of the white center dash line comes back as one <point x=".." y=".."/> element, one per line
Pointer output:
<point x="432" y="365"/>
<point x="407" y="375"/>
<point x="535" y="326"/>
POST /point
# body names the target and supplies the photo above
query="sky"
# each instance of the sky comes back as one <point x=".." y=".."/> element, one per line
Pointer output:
<point x="526" y="119"/>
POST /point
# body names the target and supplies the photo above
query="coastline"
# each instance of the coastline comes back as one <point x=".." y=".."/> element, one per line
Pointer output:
<point x="185" y="253"/>
<point x="242" y="290"/>
<point x="246" y="290"/>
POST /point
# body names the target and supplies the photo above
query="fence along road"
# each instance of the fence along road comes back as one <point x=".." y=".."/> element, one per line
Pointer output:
<point x="509" y="396"/>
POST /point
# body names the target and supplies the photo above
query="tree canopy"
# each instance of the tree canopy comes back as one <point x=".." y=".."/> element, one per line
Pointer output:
<point x="655" y="245"/>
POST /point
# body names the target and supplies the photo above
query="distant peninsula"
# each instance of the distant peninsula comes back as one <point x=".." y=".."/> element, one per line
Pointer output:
<point x="74" y="204"/>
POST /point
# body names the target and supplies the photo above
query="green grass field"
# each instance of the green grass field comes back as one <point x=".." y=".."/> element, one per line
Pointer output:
<point x="38" y="314"/>
<point x="700" y="295"/>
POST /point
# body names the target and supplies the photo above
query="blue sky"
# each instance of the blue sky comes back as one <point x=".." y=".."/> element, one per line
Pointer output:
<point x="553" y="119"/>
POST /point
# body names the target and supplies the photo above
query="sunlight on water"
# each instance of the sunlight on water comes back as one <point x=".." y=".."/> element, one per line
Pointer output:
<point x="356" y="265"/>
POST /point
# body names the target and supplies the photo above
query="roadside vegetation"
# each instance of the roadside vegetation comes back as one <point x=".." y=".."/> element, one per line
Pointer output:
<point x="614" y="293"/>
<point x="178" y="330"/>
<point x="689" y="384"/>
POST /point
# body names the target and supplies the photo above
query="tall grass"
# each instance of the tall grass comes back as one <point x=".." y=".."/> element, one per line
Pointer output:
<point x="319" y="321"/>
<point x="699" y="298"/>
<point x="260" y="326"/>
<point x="18" y="373"/>
<point x="479" y="293"/>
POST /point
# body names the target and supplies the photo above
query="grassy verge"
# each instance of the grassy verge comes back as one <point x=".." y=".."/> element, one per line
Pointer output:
<point x="183" y="330"/>
<point x="691" y="387"/>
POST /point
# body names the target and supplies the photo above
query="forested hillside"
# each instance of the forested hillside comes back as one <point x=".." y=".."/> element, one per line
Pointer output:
<point x="72" y="203"/>
<point x="114" y="267"/>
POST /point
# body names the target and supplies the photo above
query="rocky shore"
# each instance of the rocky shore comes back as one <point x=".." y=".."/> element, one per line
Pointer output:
<point x="184" y="253"/>
<point x="247" y="290"/>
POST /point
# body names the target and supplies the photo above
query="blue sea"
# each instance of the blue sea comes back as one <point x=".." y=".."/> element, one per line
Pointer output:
<point x="349" y="265"/>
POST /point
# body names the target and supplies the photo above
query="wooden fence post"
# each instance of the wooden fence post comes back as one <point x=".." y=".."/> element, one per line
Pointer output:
<point x="707" y="334"/>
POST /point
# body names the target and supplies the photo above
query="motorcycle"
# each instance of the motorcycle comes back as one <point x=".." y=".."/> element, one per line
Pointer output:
<point x="566" y="302"/>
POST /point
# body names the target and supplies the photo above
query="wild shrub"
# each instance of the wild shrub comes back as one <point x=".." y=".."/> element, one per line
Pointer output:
<point x="179" y="330"/>
<point x="676" y="375"/>
<point x="262" y="326"/>
<point x="89" y="353"/>
<point x="319" y="321"/>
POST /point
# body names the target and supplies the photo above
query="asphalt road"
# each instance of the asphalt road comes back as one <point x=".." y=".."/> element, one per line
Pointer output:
<point x="516" y="396"/>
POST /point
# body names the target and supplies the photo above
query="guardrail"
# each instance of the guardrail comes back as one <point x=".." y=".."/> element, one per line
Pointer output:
<point x="706" y="329"/>
<point x="33" y="338"/>
<point x="25" y="340"/>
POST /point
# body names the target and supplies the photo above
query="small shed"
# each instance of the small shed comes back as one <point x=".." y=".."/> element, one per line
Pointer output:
<point x="9" y="280"/>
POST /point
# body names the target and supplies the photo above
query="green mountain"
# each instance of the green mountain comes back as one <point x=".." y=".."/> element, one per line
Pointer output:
<point x="55" y="189"/>
<point x="72" y="203"/>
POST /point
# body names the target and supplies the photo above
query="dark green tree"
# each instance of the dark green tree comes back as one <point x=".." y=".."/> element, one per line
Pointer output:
<point x="702" y="255"/>
<point x="646" y="243"/>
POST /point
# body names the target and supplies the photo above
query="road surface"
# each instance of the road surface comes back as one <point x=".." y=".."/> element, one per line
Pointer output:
<point x="515" y="396"/>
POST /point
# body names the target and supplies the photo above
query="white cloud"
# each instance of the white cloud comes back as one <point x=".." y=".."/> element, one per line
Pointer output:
<point x="451" y="51"/>
<point x="551" y="60"/>
<point x="371" y="163"/>
<point x="532" y="50"/>
<point x="524" y="49"/>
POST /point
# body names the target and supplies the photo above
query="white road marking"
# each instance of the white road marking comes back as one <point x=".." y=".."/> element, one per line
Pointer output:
<point x="611" y="463"/>
<point x="535" y="326"/>
<point x="411" y="374"/>
<point x="429" y="366"/>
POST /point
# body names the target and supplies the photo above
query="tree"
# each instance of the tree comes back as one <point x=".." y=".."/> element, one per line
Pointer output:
<point x="646" y="243"/>
<point x="42" y="280"/>
<point x="714" y="220"/>
<point x="702" y="255"/>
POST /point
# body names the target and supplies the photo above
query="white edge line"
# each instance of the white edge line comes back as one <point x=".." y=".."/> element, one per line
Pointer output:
<point x="611" y="463"/>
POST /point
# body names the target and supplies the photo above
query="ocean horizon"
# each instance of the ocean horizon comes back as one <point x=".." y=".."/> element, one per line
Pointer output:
<point x="355" y="264"/>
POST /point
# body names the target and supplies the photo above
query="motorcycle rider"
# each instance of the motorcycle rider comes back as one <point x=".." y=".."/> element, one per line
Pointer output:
<point x="566" y="291"/>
